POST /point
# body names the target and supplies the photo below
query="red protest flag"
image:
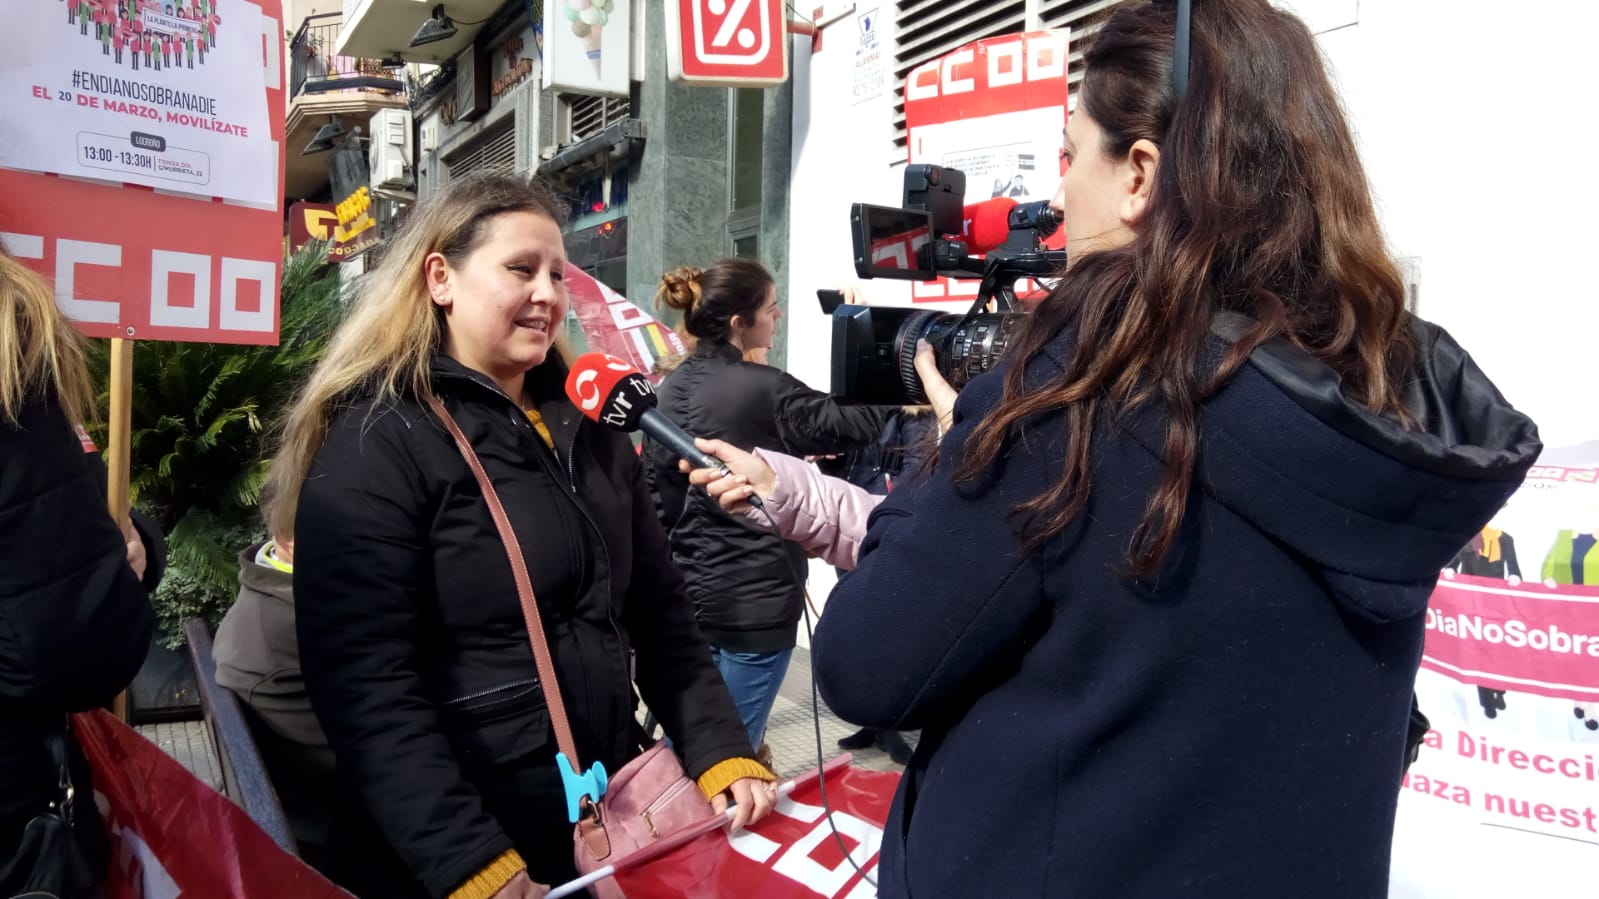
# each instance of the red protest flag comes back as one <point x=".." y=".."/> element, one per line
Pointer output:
<point x="172" y="835"/>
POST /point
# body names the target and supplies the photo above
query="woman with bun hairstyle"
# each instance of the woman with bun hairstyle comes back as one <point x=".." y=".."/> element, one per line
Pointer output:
<point x="748" y="585"/>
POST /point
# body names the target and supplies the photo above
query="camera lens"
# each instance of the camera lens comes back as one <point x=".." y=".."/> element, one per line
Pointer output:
<point x="964" y="346"/>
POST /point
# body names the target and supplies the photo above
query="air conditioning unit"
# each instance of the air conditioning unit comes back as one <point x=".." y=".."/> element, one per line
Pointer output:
<point x="390" y="156"/>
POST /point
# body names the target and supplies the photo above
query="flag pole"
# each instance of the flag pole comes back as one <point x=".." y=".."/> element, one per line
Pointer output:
<point x="119" y="435"/>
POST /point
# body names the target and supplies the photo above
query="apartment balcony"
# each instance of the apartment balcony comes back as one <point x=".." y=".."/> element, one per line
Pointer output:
<point x="325" y="83"/>
<point x="383" y="28"/>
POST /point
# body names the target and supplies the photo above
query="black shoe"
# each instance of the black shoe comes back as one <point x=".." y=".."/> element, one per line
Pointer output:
<point x="860" y="739"/>
<point x="892" y="743"/>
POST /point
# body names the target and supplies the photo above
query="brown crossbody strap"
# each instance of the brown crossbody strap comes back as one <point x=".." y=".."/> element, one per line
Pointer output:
<point x="524" y="587"/>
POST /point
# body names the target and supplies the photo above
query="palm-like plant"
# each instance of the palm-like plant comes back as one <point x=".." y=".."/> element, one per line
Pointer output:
<point x="199" y="453"/>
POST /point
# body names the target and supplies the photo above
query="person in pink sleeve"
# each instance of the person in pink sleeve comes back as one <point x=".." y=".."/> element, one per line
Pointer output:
<point x="825" y="515"/>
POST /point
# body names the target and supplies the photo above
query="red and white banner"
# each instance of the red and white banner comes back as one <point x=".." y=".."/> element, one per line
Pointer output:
<point x="1509" y="774"/>
<point x="614" y="326"/>
<point x="1531" y="638"/>
<point x="793" y="854"/>
<point x="131" y="261"/>
<point x="996" y="110"/>
<point x="173" y="836"/>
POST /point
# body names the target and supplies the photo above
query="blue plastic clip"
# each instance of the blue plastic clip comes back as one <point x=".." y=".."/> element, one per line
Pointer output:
<point x="591" y="785"/>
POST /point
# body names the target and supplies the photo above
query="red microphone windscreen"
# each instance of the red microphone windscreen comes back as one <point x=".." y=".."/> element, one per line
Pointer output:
<point x="987" y="224"/>
<point x="609" y="390"/>
<point x="593" y="379"/>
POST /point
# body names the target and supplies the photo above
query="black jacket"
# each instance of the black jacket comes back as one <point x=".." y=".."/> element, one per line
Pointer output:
<point x="75" y="623"/>
<point x="412" y="640"/>
<point x="747" y="583"/>
<point x="1233" y="725"/>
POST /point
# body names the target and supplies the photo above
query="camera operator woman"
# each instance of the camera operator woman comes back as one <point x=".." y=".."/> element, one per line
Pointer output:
<point x="747" y="584"/>
<point x="75" y="622"/>
<point x="412" y="640"/>
<point x="1186" y="535"/>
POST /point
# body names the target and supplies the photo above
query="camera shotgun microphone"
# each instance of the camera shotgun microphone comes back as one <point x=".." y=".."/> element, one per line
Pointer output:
<point x="985" y="226"/>
<point x="616" y="395"/>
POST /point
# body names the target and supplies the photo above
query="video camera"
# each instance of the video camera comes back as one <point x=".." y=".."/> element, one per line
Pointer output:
<point x="874" y="348"/>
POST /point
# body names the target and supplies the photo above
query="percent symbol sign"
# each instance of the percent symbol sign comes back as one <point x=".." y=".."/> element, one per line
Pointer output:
<point x="724" y="34"/>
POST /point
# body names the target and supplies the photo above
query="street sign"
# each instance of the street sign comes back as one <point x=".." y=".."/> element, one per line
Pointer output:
<point x="727" y="43"/>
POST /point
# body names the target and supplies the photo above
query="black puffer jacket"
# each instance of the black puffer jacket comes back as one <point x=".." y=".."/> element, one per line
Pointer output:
<point x="745" y="581"/>
<point x="75" y="622"/>
<point x="412" y="640"/>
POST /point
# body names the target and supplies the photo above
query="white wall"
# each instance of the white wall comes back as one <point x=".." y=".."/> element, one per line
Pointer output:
<point x="1475" y="122"/>
<point x="842" y="155"/>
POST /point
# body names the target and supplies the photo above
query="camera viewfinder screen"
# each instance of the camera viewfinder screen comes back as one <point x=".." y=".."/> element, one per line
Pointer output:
<point x="891" y="243"/>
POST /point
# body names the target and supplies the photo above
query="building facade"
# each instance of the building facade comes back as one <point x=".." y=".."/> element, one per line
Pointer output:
<point x="657" y="174"/>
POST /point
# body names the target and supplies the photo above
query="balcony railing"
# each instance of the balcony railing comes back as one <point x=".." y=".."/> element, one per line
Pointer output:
<point x="315" y="66"/>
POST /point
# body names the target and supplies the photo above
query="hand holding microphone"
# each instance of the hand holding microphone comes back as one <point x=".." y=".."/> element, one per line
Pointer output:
<point x="744" y="479"/>
<point x="613" y="393"/>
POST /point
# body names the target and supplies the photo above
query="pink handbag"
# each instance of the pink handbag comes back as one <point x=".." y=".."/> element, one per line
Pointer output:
<point x="651" y="797"/>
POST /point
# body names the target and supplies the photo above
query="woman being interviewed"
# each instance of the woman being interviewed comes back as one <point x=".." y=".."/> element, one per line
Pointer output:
<point x="1186" y="536"/>
<point x="747" y="584"/>
<point x="413" y="644"/>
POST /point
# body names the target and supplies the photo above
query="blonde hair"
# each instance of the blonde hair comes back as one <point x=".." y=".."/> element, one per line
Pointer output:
<point x="41" y="352"/>
<point x="384" y="349"/>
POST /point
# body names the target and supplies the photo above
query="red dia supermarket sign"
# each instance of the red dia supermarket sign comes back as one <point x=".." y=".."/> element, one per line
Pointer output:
<point x="154" y="240"/>
<point x="727" y="43"/>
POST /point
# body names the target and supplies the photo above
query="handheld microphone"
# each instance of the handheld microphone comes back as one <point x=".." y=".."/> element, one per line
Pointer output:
<point x="616" y="395"/>
<point x="985" y="226"/>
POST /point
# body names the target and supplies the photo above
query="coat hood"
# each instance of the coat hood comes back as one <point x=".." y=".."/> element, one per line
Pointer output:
<point x="1375" y="504"/>
<point x="268" y="582"/>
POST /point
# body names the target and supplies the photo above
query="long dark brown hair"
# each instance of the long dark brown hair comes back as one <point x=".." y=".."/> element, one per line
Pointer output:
<point x="1260" y="206"/>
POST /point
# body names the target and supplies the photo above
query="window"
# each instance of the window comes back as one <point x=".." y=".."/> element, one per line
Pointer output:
<point x="927" y="29"/>
<point x="745" y="158"/>
<point x="587" y="116"/>
<point x="494" y="152"/>
<point x="748" y="131"/>
<point x="747" y="247"/>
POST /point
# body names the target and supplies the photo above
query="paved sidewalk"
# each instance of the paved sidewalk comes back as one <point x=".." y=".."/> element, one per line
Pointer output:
<point x="190" y="743"/>
<point x="791" y="731"/>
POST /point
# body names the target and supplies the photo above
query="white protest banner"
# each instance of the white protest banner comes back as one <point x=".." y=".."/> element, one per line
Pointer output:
<point x="169" y="95"/>
<point x="1509" y="776"/>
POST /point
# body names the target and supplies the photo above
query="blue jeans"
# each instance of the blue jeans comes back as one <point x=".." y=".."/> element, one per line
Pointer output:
<point x="753" y="678"/>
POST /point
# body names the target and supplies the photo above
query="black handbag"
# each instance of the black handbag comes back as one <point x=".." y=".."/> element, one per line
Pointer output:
<point x="53" y="859"/>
